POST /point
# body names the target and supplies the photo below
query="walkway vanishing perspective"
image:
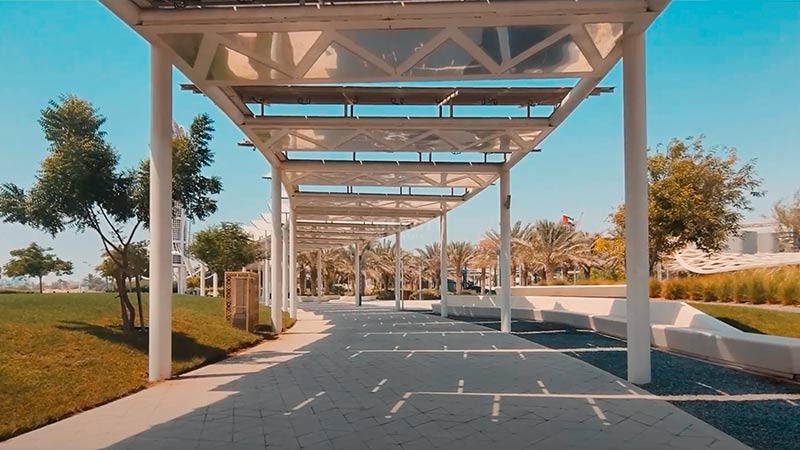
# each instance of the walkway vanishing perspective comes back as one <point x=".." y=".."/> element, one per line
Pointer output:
<point x="374" y="378"/>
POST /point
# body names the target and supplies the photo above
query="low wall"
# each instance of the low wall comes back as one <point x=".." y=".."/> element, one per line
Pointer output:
<point x="315" y="299"/>
<point x="599" y="290"/>
<point x="675" y="326"/>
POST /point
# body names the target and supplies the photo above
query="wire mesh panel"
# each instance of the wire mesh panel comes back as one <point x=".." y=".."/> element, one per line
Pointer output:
<point x="241" y="300"/>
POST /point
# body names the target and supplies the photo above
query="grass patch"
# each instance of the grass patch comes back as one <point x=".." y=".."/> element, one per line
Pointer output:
<point x="755" y="320"/>
<point x="65" y="353"/>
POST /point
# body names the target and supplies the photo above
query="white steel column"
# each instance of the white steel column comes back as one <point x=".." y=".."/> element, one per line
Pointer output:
<point x="277" y="252"/>
<point x="181" y="284"/>
<point x="285" y="261"/>
<point x="214" y="285"/>
<point x="420" y="279"/>
<point x="320" y="285"/>
<point x="505" y="252"/>
<point x="357" y="270"/>
<point x="398" y="275"/>
<point x="636" y="217"/>
<point x="292" y="266"/>
<point x="266" y="280"/>
<point x="202" y="280"/>
<point x="443" y="262"/>
<point x="160" y="331"/>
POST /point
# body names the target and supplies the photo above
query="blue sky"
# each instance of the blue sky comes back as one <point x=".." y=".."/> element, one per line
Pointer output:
<point x="727" y="69"/>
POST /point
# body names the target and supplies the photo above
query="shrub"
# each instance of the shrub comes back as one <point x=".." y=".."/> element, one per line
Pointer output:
<point x="427" y="294"/>
<point x="741" y="290"/>
<point x="759" y="293"/>
<point x="790" y="292"/>
<point x="725" y="289"/>
<point x="710" y="292"/>
<point x="385" y="295"/>
<point x="696" y="287"/>
<point x="674" y="290"/>
<point x="655" y="288"/>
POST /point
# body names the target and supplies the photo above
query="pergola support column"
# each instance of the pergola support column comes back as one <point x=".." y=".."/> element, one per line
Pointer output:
<point x="214" y="285"/>
<point x="286" y="270"/>
<point x="160" y="327"/>
<point x="202" y="280"/>
<point x="505" y="252"/>
<point x="398" y="275"/>
<point x="320" y="285"/>
<point x="357" y="276"/>
<point x="443" y="262"/>
<point x="277" y="252"/>
<point x="292" y="265"/>
<point x="266" y="281"/>
<point x="636" y="214"/>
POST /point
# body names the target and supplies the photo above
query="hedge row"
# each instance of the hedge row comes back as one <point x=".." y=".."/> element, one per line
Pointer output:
<point x="775" y="286"/>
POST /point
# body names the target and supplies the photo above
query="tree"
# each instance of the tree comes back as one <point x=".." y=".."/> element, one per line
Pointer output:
<point x="697" y="196"/>
<point x="79" y="185"/>
<point x="787" y="214"/>
<point x="517" y="231"/>
<point x="431" y="255"/>
<point x="485" y="258"/>
<point x="225" y="247"/>
<point x="92" y="282"/>
<point x="137" y="266"/>
<point x="546" y="245"/>
<point x="34" y="261"/>
<point x="460" y="253"/>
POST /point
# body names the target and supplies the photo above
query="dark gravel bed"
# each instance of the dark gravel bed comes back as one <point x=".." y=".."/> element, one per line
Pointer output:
<point x="763" y="425"/>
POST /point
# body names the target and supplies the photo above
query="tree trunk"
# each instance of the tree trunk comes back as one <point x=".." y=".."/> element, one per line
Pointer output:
<point x="483" y="280"/>
<point x="139" y="301"/>
<point x="548" y="273"/>
<point x="459" y="281"/>
<point x="127" y="312"/>
<point x="41" y="290"/>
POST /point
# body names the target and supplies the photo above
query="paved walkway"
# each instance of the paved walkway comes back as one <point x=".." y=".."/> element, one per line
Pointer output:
<point x="373" y="378"/>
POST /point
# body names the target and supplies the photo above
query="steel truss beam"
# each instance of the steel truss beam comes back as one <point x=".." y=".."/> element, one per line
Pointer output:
<point x="371" y="212"/>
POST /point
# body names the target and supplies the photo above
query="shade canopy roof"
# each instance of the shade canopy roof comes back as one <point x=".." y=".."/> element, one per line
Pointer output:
<point x="361" y="160"/>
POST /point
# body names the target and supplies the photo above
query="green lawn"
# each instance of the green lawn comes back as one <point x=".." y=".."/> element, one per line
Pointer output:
<point x="755" y="320"/>
<point x="64" y="353"/>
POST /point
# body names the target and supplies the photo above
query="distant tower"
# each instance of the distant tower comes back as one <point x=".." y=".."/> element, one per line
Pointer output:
<point x="181" y="233"/>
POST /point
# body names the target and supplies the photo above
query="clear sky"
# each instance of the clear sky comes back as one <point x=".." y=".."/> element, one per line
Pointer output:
<point x="728" y="69"/>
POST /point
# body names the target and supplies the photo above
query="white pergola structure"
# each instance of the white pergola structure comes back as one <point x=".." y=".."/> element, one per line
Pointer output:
<point x="366" y="161"/>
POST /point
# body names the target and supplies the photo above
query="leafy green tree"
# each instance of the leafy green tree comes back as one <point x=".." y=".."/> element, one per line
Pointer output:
<point x="138" y="264"/>
<point x="80" y="185"/>
<point x="788" y="216"/>
<point x="697" y="196"/>
<point x="225" y="247"/>
<point x="36" y="262"/>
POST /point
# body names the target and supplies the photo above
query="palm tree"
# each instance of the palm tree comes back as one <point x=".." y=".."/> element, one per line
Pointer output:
<point x="430" y="255"/>
<point x="547" y="245"/>
<point x="459" y="254"/>
<point x="485" y="258"/>
<point x="517" y="233"/>
<point x="380" y="267"/>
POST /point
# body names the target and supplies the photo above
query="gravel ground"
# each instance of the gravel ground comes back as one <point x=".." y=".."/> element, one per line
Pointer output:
<point x="763" y="425"/>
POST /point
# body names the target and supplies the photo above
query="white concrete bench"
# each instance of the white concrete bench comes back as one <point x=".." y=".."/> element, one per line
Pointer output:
<point x="675" y="326"/>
